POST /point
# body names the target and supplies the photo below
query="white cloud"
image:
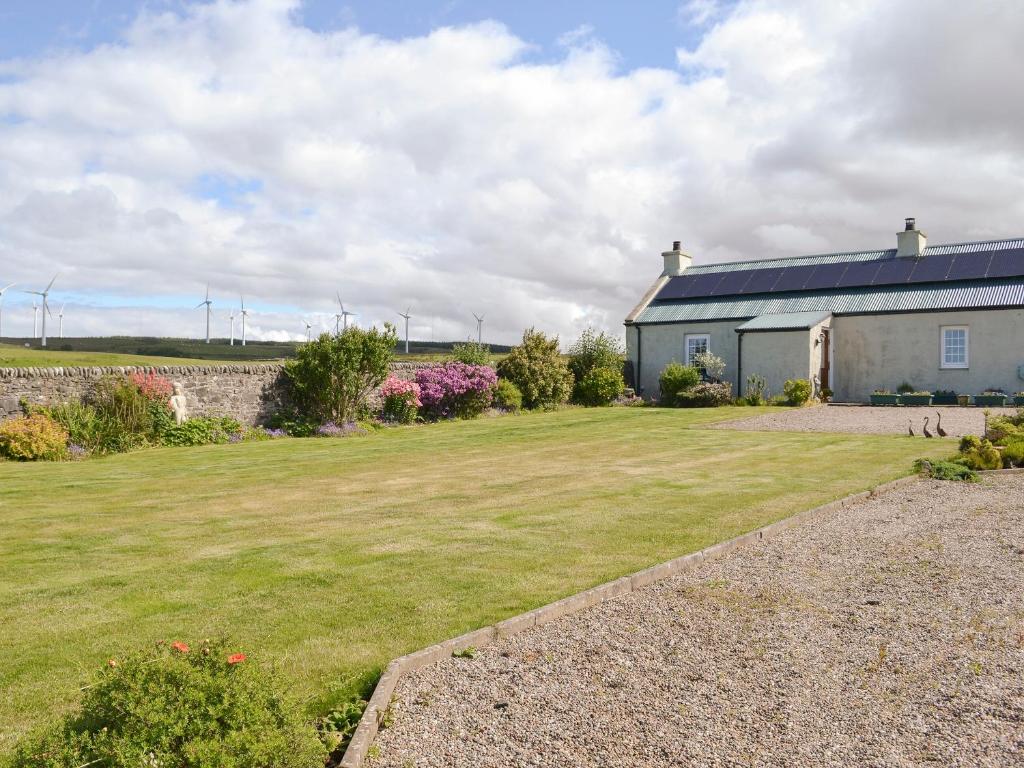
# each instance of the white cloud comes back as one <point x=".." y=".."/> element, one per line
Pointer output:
<point x="454" y="173"/>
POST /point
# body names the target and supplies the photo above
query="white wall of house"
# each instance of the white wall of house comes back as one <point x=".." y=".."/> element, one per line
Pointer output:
<point x="662" y="344"/>
<point x="781" y="355"/>
<point x="872" y="351"/>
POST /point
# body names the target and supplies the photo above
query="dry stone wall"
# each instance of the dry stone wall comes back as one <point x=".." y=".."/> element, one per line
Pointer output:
<point x="250" y="393"/>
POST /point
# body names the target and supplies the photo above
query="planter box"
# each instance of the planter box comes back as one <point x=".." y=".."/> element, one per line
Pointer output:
<point x="885" y="399"/>
<point x="990" y="401"/>
<point x="945" y="399"/>
<point x="963" y="400"/>
<point x="915" y="399"/>
<point x="1018" y="400"/>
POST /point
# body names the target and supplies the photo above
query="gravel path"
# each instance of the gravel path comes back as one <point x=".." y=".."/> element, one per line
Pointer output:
<point x="867" y="420"/>
<point x="890" y="634"/>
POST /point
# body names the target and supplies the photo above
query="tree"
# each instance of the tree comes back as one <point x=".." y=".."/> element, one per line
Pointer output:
<point x="537" y="368"/>
<point x="595" y="360"/>
<point x="332" y="377"/>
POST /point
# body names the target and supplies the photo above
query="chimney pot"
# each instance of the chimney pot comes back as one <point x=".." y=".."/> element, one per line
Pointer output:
<point x="677" y="245"/>
<point x="910" y="224"/>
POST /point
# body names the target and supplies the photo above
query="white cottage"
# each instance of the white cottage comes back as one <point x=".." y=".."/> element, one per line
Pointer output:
<point x="941" y="317"/>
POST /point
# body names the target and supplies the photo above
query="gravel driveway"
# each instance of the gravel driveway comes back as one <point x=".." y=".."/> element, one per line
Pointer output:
<point x="889" y="634"/>
<point x="867" y="419"/>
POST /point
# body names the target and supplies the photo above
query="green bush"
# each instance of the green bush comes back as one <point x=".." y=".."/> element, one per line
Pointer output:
<point x="707" y="394"/>
<point x="292" y="423"/>
<point x="676" y="378"/>
<point x="905" y="388"/>
<point x="203" y="430"/>
<point x="595" y="360"/>
<point x="507" y="396"/>
<point x="946" y="470"/>
<point x="797" y="391"/>
<point x="757" y="390"/>
<point x="35" y="437"/>
<point x="179" y="707"/>
<point x="978" y="454"/>
<point x="471" y="353"/>
<point x="1013" y="453"/>
<point x="600" y="386"/>
<point x="332" y="377"/>
<point x="338" y="726"/>
<point x="710" y="364"/>
<point x="536" y="367"/>
<point x="1004" y="429"/>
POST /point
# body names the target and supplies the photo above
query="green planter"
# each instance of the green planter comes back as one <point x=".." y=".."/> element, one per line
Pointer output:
<point x="915" y="399"/>
<point x="944" y="399"/>
<point x="1018" y="400"/>
<point x="885" y="399"/>
<point x="990" y="401"/>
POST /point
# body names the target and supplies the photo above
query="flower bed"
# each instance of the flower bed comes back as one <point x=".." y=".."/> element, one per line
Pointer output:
<point x="455" y="390"/>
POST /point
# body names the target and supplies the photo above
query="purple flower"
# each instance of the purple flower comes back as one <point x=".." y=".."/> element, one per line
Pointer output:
<point x="274" y="433"/>
<point x="76" y="451"/>
<point x="236" y="437"/>
<point x="456" y="389"/>
<point x="330" y="429"/>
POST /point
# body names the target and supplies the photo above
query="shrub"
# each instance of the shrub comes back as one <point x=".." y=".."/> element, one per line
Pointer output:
<point x="332" y="377"/>
<point x="595" y="360"/>
<point x="1013" y="453"/>
<point x="82" y="423"/>
<point x="756" y="389"/>
<point x="179" y="707"/>
<point x="401" y="400"/>
<point x="676" y="378"/>
<point x="35" y="437"/>
<point x="289" y="421"/>
<point x="338" y="726"/>
<point x="825" y="394"/>
<point x="600" y="386"/>
<point x="455" y="390"/>
<point x="797" y="391"/>
<point x="905" y="388"/>
<point x="507" y="396"/>
<point x="707" y="394"/>
<point x="1004" y="429"/>
<point x="711" y="364"/>
<point x="538" y="370"/>
<point x="126" y="413"/>
<point x="946" y="470"/>
<point x="978" y="454"/>
<point x="471" y="353"/>
<point x="151" y="385"/>
<point x="204" y="430"/>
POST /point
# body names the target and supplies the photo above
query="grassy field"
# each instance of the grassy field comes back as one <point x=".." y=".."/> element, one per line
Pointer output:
<point x="329" y="557"/>
<point x="20" y="357"/>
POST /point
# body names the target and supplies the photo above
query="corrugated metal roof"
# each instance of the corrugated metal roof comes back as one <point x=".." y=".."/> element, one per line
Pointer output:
<point x="787" y="321"/>
<point x="901" y="298"/>
<point x="834" y="258"/>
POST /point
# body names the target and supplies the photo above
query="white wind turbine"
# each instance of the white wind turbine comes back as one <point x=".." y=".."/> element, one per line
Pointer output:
<point x="479" y="328"/>
<point x="406" y="315"/>
<point x="60" y="316"/>
<point x="2" y="292"/>
<point x="231" y="317"/>
<point x="209" y="311"/>
<point x="344" y="314"/>
<point x="45" y="293"/>
<point x="245" y="314"/>
<point x="35" y="320"/>
<point x="309" y="326"/>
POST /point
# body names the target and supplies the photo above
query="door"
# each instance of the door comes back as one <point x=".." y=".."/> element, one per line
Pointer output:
<point x="826" y="358"/>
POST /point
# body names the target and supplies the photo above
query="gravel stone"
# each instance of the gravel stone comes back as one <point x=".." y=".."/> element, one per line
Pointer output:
<point x="866" y="419"/>
<point x="890" y="633"/>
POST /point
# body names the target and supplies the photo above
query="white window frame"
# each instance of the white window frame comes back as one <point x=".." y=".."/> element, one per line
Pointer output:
<point x="686" y="345"/>
<point x="943" y="364"/>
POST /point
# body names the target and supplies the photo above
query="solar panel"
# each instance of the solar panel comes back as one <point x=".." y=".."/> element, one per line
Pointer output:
<point x="825" y="276"/>
<point x="763" y="280"/>
<point x="894" y="271"/>
<point x="1008" y="263"/>
<point x="969" y="266"/>
<point x="793" y="279"/>
<point x="732" y="283"/>
<point x="931" y="269"/>
<point x="703" y="285"/>
<point x="858" y="273"/>
<point x="675" y="287"/>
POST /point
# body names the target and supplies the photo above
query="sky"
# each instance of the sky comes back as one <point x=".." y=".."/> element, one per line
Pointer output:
<point x="524" y="160"/>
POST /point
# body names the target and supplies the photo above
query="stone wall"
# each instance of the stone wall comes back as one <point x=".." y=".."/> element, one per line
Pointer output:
<point x="250" y="393"/>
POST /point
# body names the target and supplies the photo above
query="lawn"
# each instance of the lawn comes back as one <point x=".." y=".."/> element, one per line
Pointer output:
<point x="21" y="357"/>
<point x="329" y="557"/>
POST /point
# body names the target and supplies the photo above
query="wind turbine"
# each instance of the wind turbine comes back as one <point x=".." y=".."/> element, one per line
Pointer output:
<point x="2" y="292"/>
<point x="344" y="314"/>
<point x="479" y="328"/>
<point x="245" y="314"/>
<point x="35" y="320"/>
<point x="309" y="325"/>
<point x="45" y="293"/>
<point x="406" y="316"/>
<point x="209" y="311"/>
<point x="60" y="316"/>
<point x="231" y="317"/>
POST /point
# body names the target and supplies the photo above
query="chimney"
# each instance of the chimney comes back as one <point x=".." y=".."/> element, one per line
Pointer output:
<point x="911" y="241"/>
<point x="676" y="261"/>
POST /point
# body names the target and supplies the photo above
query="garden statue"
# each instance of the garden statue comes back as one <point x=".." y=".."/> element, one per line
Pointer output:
<point x="178" y="404"/>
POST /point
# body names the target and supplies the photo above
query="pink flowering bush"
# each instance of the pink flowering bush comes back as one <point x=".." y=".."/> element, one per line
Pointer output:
<point x="401" y="400"/>
<point x="456" y="390"/>
<point x="151" y="385"/>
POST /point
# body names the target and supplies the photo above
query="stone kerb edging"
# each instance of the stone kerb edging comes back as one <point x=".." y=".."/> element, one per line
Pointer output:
<point x="96" y="372"/>
<point x="382" y="693"/>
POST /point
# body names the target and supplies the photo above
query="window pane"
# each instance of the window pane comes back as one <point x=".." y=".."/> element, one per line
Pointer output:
<point x="954" y="346"/>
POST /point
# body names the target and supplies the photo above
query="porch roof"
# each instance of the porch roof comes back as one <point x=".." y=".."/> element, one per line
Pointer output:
<point x="785" y="321"/>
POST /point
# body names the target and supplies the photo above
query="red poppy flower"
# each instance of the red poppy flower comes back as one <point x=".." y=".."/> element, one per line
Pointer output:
<point x="179" y="646"/>
<point x="236" y="658"/>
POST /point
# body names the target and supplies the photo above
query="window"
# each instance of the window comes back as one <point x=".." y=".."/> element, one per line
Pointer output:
<point x="695" y="344"/>
<point x="955" y="343"/>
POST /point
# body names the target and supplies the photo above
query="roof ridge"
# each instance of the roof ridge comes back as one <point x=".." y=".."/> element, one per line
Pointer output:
<point x="836" y="254"/>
